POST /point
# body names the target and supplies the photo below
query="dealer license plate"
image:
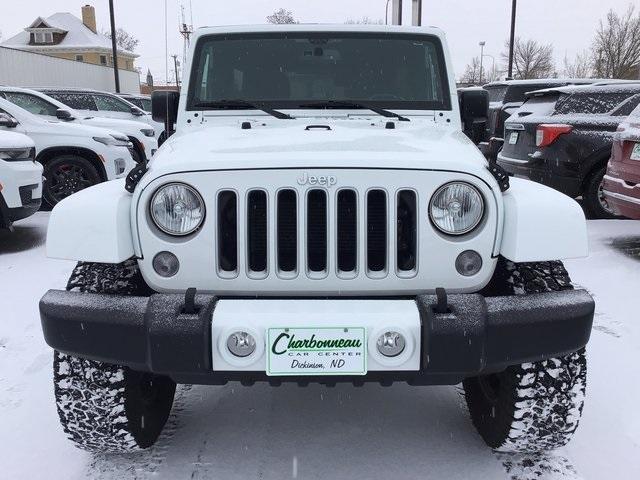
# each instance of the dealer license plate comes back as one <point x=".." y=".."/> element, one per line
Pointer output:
<point x="316" y="351"/>
<point x="513" y="138"/>
<point x="635" y="153"/>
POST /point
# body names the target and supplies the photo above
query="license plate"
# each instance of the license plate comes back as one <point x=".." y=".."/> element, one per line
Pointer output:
<point x="635" y="153"/>
<point x="513" y="138"/>
<point x="316" y="351"/>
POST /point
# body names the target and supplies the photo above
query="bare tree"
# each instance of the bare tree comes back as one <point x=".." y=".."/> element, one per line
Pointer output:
<point x="531" y="59"/>
<point x="364" y="21"/>
<point x="124" y="39"/>
<point x="580" y="67"/>
<point x="472" y="72"/>
<point x="616" y="47"/>
<point x="281" y="16"/>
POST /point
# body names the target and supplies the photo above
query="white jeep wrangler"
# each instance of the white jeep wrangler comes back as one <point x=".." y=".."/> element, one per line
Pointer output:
<point x="318" y="216"/>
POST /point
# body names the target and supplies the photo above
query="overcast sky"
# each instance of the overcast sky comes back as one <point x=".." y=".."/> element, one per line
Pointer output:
<point x="567" y="24"/>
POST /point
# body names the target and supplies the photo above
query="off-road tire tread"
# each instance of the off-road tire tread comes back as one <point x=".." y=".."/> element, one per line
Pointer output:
<point x="539" y="404"/>
<point x="91" y="396"/>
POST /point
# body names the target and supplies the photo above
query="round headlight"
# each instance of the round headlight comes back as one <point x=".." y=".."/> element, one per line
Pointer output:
<point x="177" y="209"/>
<point x="456" y="208"/>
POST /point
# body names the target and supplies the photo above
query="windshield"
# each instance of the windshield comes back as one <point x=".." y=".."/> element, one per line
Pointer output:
<point x="31" y="103"/>
<point x="291" y="70"/>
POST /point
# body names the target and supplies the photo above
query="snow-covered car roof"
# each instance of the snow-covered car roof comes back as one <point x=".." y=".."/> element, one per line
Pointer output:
<point x="615" y="87"/>
<point x="537" y="81"/>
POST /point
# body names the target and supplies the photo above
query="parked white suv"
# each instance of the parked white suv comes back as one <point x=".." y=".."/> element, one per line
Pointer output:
<point x="20" y="176"/>
<point x="74" y="156"/>
<point x="141" y="135"/>
<point x="319" y="216"/>
<point x="102" y="104"/>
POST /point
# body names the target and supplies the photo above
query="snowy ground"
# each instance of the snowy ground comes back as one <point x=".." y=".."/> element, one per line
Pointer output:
<point x="371" y="432"/>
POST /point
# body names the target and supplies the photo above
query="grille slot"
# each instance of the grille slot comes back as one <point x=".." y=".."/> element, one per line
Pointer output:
<point x="317" y="231"/>
<point x="257" y="230"/>
<point x="376" y="230"/>
<point x="228" y="231"/>
<point x="287" y="231"/>
<point x="347" y="235"/>
<point x="406" y="230"/>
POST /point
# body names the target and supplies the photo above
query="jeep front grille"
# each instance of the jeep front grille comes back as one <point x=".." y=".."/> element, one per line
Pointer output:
<point x="319" y="209"/>
<point x="350" y="232"/>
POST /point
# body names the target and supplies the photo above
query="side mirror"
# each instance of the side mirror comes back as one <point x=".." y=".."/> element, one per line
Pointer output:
<point x="7" y="121"/>
<point x="164" y="108"/>
<point x="137" y="112"/>
<point x="62" y="114"/>
<point x="474" y="110"/>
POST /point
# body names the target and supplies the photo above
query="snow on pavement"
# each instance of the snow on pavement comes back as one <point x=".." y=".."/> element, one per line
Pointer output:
<point x="261" y="432"/>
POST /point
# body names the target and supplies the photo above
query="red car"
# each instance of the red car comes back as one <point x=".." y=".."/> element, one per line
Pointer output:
<point x="621" y="186"/>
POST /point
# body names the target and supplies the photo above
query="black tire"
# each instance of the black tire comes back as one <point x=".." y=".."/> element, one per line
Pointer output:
<point x="65" y="175"/>
<point x="533" y="406"/>
<point x="593" y="198"/>
<point x="103" y="407"/>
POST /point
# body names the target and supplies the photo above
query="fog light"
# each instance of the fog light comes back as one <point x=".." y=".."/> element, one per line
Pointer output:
<point x="241" y="344"/>
<point x="166" y="264"/>
<point x="391" y="344"/>
<point x="468" y="263"/>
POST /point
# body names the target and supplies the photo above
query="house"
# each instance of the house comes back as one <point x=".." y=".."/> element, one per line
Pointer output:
<point x="64" y="35"/>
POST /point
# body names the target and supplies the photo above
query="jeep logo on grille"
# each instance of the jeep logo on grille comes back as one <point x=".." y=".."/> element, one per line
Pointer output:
<point x="322" y="180"/>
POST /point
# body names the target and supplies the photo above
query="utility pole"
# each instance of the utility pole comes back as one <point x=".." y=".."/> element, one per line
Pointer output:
<point x="416" y="13"/>
<point x="175" y="65"/>
<point x="114" y="46"/>
<point x="482" y="44"/>
<point x="513" y="36"/>
<point x="396" y="12"/>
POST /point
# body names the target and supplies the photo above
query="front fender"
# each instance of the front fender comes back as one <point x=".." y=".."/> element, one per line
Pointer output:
<point x="541" y="224"/>
<point x="93" y="225"/>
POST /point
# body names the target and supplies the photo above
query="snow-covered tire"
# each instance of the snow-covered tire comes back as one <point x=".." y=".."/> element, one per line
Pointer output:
<point x="533" y="406"/>
<point x="104" y="407"/>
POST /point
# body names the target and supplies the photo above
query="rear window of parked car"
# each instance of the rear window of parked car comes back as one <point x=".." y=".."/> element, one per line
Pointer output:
<point x="591" y="103"/>
<point x="539" y="106"/>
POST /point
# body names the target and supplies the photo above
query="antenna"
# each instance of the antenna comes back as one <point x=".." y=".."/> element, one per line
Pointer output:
<point x="186" y="31"/>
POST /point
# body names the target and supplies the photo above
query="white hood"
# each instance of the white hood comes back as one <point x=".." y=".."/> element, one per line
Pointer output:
<point x="14" y="140"/>
<point x="308" y="143"/>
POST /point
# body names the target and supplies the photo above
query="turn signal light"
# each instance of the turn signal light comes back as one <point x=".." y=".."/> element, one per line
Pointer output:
<point x="547" y="133"/>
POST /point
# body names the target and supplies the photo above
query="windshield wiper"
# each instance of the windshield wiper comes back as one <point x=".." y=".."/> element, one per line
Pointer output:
<point x="238" y="103"/>
<point x="355" y="104"/>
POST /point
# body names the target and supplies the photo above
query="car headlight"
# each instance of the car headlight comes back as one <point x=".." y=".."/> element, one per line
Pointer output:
<point x="148" y="132"/>
<point x="113" y="141"/>
<point x="456" y="208"/>
<point x="177" y="209"/>
<point x="15" y="154"/>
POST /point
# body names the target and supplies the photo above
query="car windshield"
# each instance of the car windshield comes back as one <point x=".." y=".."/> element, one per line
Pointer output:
<point x="31" y="103"/>
<point x="293" y="70"/>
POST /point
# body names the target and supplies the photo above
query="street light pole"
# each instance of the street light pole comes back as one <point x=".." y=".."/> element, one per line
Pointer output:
<point x="512" y="39"/>
<point x="114" y="47"/>
<point x="482" y="44"/>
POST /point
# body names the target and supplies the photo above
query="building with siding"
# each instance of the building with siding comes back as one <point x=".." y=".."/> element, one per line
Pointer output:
<point x="64" y="35"/>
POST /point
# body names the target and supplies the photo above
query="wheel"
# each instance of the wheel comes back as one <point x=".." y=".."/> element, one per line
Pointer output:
<point x="533" y="406"/>
<point x="104" y="407"/>
<point x="594" y="200"/>
<point x="66" y="175"/>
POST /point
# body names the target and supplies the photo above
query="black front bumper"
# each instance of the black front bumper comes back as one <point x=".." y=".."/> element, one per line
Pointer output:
<point x="478" y="335"/>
